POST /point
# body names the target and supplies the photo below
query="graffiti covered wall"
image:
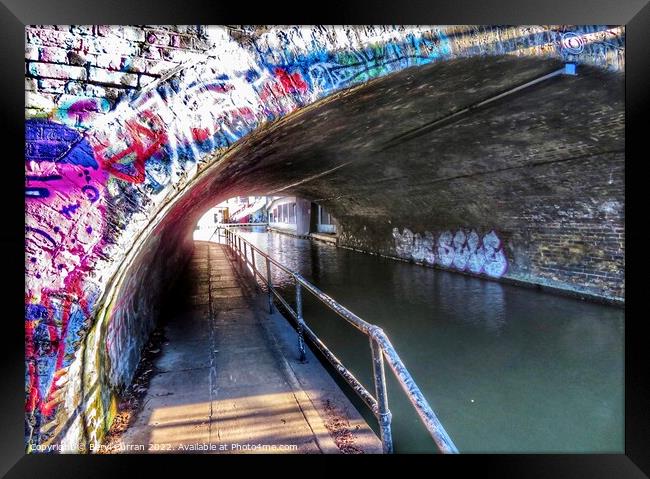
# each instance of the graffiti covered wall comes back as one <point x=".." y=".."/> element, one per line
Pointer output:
<point x="461" y="250"/>
<point x="119" y="119"/>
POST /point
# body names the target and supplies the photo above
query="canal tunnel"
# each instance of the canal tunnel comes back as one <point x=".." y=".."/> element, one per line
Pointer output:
<point x="504" y="167"/>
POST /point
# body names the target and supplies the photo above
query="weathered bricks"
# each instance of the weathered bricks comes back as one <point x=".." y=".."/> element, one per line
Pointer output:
<point x="31" y="52"/>
<point x="102" y="60"/>
<point x="112" y="62"/>
<point x="126" y="32"/>
<point x="110" y="93"/>
<point x="40" y="101"/>
<point x="31" y="84"/>
<point x="54" y="70"/>
<point x="158" y="67"/>
<point x="50" y="85"/>
<point x="54" y="38"/>
<point x="53" y="55"/>
<point x="111" y="45"/>
<point x="102" y="75"/>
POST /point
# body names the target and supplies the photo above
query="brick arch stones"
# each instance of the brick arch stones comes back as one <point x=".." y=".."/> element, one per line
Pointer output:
<point x="115" y="182"/>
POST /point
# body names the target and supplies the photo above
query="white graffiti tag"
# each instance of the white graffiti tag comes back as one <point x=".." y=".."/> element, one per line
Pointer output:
<point x="461" y="251"/>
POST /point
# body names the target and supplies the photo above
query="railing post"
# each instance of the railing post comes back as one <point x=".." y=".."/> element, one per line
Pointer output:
<point x="245" y="255"/>
<point x="269" y="282"/>
<point x="383" y="413"/>
<point x="253" y="262"/>
<point x="301" y="338"/>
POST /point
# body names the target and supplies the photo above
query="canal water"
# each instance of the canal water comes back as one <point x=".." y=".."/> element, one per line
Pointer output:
<point x="507" y="369"/>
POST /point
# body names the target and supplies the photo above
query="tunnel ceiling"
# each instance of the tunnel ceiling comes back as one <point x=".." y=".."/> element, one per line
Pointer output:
<point x="339" y="151"/>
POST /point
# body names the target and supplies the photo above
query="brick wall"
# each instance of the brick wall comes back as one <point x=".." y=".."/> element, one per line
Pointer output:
<point x="577" y="241"/>
<point x="79" y="72"/>
<point x="561" y="226"/>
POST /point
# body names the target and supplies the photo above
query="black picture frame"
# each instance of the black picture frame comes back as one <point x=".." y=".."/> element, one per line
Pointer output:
<point x="16" y="14"/>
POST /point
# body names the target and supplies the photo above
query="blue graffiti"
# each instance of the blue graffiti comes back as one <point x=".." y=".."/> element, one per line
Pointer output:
<point x="74" y="330"/>
<point x="69" y="209"/>
<point x="91" y="192"/>
<point x="334" y="70"/>
<point x="48" y="141"/>
<point x="43" y="178"/>
<point x="81" y="154"/>
<point x="45" y="366"/>
<point x="35" y="312"/>
<point x="251" y="75"/>
<point x="41" y="233"/>
<point x="37" y="192"/>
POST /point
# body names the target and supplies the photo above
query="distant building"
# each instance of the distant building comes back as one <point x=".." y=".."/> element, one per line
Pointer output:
<point x="239" y="209"/>
<point x="284" y="213"/>
<point x="299" y="216"/>
<point x="325" y="223"/>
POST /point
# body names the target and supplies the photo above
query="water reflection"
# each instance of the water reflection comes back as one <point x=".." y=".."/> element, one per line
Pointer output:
<point x="507" y="369"/>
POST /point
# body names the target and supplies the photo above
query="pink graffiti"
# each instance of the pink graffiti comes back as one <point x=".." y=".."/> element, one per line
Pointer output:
<point x="63" y="227"/>
<point x="82" y="108"/>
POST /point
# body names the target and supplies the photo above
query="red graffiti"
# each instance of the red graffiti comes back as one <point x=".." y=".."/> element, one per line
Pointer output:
<point x="201" y="134"/>
<point x="144" y="143"/>
<point x="293" y="83"/>
<point x="75" y="294"/>
<point x="217" y="87"/>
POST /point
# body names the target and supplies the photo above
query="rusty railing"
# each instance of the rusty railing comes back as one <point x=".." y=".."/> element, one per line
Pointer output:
<point x="380" y="346"/>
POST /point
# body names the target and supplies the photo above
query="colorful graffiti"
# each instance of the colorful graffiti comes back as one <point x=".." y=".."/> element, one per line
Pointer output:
<point x="64" y="203"/>
<point x="65" y="214"/>
<point x="462" y="251"/>
<point x="220" y="101"/>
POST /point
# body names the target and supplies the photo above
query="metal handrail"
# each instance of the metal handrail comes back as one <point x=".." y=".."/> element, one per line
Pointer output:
<point x="380" y="347"/>
<point x="259" y="223"/>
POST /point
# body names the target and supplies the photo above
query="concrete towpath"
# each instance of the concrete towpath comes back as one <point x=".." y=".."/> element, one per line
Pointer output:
<point x="228" y="379"/>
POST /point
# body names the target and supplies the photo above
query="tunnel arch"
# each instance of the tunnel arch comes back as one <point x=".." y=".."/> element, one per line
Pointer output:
<point x="148" y="207"/>
<point x="557" y="116"/>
